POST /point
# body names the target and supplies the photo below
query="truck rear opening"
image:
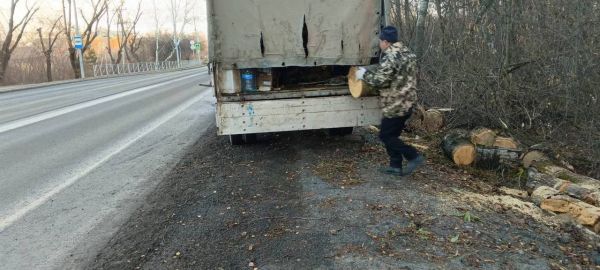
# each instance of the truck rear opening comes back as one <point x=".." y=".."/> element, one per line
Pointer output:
<point x="281" y="65"/>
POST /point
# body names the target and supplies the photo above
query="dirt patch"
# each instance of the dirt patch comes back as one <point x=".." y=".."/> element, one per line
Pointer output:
<point x="306" y="201"/>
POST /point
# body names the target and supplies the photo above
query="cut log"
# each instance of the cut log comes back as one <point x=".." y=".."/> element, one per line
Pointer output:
<point x="458" y="148"/>
<point x="596" y="228"/>
<point x="564" y="174"/>
<point x="542" y="193"/>
<point x="534" y="156"/>
<point x="536" y="180"/>
<point x="581" y="193"/>
<point x="433" y="120"/>
<point x="358" y="88"/>
<point x="506" y="142"/>
<point x="483" y="136"/>
<point x="585" y="214"/>
<point x="492" y="157"/>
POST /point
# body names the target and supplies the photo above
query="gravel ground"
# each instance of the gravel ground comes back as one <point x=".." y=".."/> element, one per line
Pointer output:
<point x="305" y="200"/>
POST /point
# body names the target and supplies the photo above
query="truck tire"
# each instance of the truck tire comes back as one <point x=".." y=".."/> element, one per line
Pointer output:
<point x="236" y="139"/>
<point x="341" y="131"/>
<point x="250" y="138"/>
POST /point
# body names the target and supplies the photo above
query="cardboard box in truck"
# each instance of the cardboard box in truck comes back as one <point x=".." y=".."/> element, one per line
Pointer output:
<point x="281" y="65"/>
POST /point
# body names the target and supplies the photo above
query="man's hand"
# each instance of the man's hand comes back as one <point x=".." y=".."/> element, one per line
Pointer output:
<point x="360" y="73"/>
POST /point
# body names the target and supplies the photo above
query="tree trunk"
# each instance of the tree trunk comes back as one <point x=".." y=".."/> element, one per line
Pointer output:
<point x="74" y="62"/>
<point x="407" y="21"/>
<point x="49" y="66"/>
<point x="420" y="31"/>
<point x="442" y="21"/>
<point x="458" y="147"/>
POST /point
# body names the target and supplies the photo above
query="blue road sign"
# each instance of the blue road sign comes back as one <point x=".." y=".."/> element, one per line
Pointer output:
<point x="78" y="42"/>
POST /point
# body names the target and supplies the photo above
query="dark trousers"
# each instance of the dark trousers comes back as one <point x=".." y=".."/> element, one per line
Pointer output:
<point x="391" y="128"/>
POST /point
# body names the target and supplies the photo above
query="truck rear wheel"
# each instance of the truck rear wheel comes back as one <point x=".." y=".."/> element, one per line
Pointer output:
<point x="341" y="131"/>
<point x="236" y="139"/>
<point x="250" y="138"/>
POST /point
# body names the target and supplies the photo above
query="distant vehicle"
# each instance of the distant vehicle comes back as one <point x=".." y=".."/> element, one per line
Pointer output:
<point x="282" y="65"/>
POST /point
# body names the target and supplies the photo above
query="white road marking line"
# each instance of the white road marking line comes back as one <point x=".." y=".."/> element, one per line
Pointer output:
<point x="58" y="112"/>
<point x="98" y="160"/>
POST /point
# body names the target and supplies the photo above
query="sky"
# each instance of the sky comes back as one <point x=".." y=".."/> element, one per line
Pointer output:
<point x="50" y="8"/>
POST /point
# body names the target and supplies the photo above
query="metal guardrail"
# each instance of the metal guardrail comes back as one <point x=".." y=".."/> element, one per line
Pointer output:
<point x="104" y="70"/>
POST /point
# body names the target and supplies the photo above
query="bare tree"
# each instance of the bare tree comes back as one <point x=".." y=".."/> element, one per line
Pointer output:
<point x="127" y="36"/>
<point x="180" y="14"/>
<point x="14" y="33"/>
<point x="90" y="30"/>
<point x="48" y="45"/>
<point x="109" y="20"/>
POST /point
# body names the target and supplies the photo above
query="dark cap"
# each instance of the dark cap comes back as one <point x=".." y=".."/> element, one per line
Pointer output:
<point x="389" y="34"/>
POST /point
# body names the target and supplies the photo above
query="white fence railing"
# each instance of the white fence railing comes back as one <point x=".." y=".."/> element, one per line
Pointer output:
<point x="101" y="70"/>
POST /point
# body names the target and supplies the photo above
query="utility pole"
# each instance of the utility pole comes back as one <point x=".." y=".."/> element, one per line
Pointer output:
<point x="79" y="48"/>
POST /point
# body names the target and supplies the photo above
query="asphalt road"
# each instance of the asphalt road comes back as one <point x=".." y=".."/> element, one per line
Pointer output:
<point x="77" y="158"/>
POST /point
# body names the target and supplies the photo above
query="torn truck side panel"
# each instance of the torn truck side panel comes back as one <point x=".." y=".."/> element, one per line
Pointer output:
<point x="237" y="28"/>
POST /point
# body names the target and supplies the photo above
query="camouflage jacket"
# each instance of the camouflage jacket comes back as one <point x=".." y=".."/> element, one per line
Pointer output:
<point x="396" y="80"/>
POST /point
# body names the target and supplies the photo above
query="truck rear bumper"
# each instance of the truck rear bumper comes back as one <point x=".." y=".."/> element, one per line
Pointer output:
<point x="296" y="114"/>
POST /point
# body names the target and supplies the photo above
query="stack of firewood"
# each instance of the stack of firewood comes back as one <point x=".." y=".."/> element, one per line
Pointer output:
<point x="480" y="146"/>
<point x="552" y="187"/>
<point x="562" y="191"/>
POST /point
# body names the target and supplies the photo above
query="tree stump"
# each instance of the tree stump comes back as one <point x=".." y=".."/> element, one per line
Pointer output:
<point x="458" y="148"/>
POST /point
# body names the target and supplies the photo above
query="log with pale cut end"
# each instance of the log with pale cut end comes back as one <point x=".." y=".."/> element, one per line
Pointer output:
<point x="534" y="156"/>
<point x="584" y="213"/>
<point x="506" y="142"/>
<point x="542" y="193"/>
<point x="564" y="174"/>
<point x="483" y="136"/>
<point x="458" y="148"/>
<point x="358" y="88"/>
<point x="433" y="120"/>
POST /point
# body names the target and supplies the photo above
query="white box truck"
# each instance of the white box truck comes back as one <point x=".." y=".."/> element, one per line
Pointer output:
<point x="281" y="65"/>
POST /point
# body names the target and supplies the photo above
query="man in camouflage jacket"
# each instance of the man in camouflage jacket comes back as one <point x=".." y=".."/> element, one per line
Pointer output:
<point x="395" y="78"/>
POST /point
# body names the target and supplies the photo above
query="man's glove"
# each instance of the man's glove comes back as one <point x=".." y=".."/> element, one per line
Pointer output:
<point x="360" y="73"/>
